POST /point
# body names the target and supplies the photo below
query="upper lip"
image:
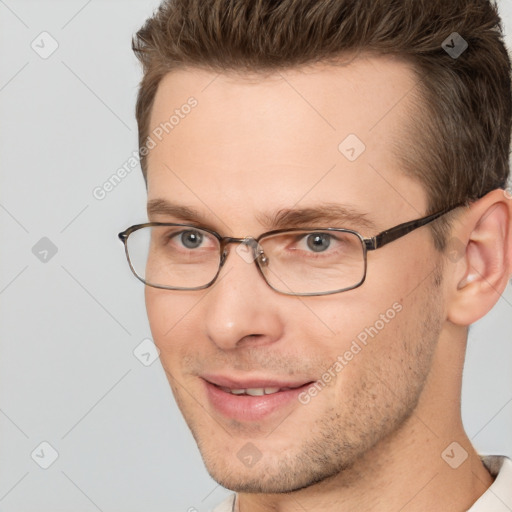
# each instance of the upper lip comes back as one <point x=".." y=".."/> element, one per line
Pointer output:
<point x="251" y="383"/>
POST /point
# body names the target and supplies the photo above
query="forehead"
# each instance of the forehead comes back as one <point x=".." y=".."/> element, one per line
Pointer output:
<point x="252" y="144"/>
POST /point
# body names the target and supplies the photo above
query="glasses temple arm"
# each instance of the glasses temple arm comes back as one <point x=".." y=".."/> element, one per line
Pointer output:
<point x="385" y="237"/>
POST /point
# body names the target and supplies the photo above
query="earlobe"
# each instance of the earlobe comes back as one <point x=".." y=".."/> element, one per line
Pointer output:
<point x="480" y="275"/>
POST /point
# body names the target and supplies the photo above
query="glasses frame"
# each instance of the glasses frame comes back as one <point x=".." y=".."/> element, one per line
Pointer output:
<point x="368" y="244"/>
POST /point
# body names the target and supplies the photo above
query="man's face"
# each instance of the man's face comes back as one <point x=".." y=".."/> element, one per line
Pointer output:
<point x="252" y="148"/>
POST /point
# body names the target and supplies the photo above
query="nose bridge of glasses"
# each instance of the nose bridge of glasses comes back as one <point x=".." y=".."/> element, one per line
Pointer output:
<point x="255" y="250"/>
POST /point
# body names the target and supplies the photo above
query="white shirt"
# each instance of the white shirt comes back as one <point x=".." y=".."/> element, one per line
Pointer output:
<point x="498" y="498"/>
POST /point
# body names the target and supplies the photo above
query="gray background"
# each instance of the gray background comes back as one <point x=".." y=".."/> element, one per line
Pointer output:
<point x="70" y="324"/>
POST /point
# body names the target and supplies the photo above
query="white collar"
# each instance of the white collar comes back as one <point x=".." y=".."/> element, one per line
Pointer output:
<point x="498" y="498"/>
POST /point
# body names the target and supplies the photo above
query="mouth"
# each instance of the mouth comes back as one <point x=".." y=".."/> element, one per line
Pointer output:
<point x="252" y="399"/>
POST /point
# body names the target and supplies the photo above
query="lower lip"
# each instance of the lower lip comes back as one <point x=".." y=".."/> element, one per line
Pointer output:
<point x="251" y="408"/>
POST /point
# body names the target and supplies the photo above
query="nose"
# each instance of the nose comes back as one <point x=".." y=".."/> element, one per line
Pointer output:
<point x="241" y="309"/>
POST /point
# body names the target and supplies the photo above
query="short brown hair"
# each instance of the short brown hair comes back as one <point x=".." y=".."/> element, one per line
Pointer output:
<point x="458" y="141"/>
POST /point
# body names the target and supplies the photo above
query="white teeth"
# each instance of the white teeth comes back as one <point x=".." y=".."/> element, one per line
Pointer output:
<point x="253" y="391"/>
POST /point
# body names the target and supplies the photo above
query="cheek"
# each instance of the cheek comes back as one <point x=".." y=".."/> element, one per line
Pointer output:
<point x="352" y="315"/>
<point x="368" y="334"/>
<point x="371" y="381"/>
<point x="362" y="341"/>
<point x="173" y="320"/>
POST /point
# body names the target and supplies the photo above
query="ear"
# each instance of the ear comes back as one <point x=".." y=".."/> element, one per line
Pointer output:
<point x="479" y="258"/>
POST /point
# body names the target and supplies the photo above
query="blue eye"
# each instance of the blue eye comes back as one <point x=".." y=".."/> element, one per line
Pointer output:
<point x="191" y="239"/>
<point x="318" y="242"/>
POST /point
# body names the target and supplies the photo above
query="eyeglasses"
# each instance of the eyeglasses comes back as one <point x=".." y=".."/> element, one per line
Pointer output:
<point x="299" y="261"/>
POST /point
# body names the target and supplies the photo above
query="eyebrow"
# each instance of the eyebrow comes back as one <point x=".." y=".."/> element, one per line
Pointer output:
<point x="323" y="215"/>
<point x="327" y="214"/>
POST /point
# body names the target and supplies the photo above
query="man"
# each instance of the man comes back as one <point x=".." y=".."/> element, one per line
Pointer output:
<point x="319" y="366"/>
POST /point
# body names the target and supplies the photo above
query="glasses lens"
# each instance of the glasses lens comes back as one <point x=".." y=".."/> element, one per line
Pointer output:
<point x="313" y="262"/>
<point x="174" y="256"/>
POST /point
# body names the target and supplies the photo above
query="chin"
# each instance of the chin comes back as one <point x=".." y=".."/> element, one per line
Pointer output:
<point x="273" y="473"/>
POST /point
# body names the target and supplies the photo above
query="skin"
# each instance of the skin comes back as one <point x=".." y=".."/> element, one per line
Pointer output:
<point x="372" y="439"/>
